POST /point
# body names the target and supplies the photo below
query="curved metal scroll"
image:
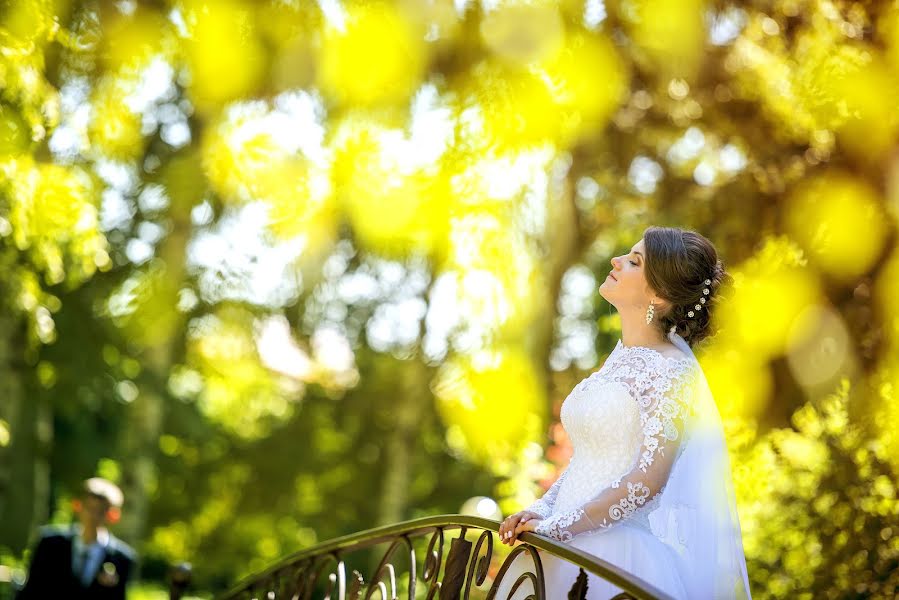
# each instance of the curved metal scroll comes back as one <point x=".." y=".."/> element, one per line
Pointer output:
<point x="466" y="565"/>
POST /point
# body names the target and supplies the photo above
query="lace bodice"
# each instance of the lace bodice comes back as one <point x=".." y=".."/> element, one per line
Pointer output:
<point x="626" y="423"/>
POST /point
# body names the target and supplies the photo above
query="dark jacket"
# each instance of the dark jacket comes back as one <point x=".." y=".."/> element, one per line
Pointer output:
<point x="50" y="574"/>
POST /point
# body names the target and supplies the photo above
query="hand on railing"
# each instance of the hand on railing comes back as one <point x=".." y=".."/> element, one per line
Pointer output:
<point x="511" y="527"/>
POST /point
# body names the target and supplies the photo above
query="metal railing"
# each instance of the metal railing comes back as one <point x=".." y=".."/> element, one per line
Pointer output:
<point x="465" y="567"/>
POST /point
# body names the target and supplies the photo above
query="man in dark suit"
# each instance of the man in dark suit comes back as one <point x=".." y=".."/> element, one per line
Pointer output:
<point x="82" y="561"/>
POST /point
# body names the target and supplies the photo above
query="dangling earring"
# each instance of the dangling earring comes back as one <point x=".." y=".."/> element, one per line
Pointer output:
<point x="650" y="312"/>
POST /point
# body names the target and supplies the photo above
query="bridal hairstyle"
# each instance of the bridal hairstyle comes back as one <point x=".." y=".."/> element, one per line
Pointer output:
<point x="678" y="262"/>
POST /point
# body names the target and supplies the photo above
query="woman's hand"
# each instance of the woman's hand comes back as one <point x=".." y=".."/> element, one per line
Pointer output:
<point x="509" y="528"/>
<point x="529" y="525"/>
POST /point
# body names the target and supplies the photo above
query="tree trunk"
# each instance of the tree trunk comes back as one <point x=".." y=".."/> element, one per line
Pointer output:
<point x="185" y="186"/>
<point x="412" y="396"/>
<point x="26" y="470"/>
<point x="11" y="430"/>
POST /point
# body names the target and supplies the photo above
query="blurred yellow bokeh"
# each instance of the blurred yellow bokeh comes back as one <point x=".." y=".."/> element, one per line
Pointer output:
<point x="473" y="394"/>
<point x="670" y="35"/>
<point x="725" y="365"/>
<point x="27" y="24"/>
<point x="588" y="81"/>
<point x="392" y="198"/>
<point x="225" y="57"/>
<point x="133" y="40"/>
<point x="14" y="134"/>
<point x="498" y="277"/>
<point x="867" y="99"/>
<point x="53" y="215"/>
<point x="374" y="55"/>
<point x="888" y="34"/>
<point x="819" y="349"/>
<point x="508" y="107"/>
<point x="886" y="377"/>
<point x="765" y="305"/>
<point x="114" y="129"/>
<point x="826" y="214"/>
<point x="523" y="32"/>
<point x="239" y="392"/>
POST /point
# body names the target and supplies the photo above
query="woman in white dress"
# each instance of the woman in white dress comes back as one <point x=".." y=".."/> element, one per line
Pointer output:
<point x="649" y="485"/>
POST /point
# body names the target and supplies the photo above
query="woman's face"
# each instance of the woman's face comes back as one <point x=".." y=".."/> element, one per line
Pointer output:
<point x="626" y="284"/>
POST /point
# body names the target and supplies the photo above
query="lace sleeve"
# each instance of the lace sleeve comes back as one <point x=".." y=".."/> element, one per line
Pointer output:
<point x="664" y="402"/>
<point x="543" y="506"/>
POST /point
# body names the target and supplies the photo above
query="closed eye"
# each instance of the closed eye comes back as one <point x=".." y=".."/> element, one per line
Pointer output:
<point x="632" y="262"/>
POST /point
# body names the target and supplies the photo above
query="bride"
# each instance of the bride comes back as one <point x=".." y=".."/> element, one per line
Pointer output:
<point x="648" y="487"/>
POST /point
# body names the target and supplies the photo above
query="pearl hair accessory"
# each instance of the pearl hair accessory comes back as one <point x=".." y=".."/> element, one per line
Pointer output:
<point x="702" y="299"/>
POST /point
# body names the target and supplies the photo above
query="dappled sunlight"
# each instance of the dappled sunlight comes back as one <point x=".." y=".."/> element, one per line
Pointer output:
<point x="723" y="367"/>
<point x="823" y="82"/>
<point x="826" y="214"/>
<point x="496" y="275"/>
<point x="390" y="194"/>
<point x="782" y="482"/>
<point x="114" y="129"/>
<point x="238" y="391"/>
<point x="219" y="35"/>
<point x="473" y="394"/>
<point x="370" y="54"/>
<point x="54" y="218"/>
<point x="819" y="349"/>
<point x="494" y="185"/>
<point x="132" y="40"/>
<point x="252" y="138"/>
<point x="506" y="107"/>
<point x="523" y="32"/>
<point x="275" y="154"/>
<point x="670" y="35"/>
<point x="585" y="101"/>
<point x="770" y="298"/>
<point x="27" y="29"/>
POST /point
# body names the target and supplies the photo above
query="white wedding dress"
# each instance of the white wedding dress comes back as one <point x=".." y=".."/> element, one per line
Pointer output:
<point x="627" y="424"/>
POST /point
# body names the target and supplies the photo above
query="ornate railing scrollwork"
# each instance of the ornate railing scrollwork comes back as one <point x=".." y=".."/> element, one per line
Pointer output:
<point x="466" y="568"/>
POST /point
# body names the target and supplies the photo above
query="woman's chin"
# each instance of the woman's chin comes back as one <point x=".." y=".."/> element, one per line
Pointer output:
<point x="607" y="294"/>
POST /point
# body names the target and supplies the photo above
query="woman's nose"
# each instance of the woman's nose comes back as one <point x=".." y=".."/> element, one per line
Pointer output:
<point x="613" y="261"/>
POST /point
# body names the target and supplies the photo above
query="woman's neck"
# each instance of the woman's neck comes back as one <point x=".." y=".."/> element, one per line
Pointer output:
<point x="635" y="332"/>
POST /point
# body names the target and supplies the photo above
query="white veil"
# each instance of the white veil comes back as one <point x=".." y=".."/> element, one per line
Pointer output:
<point x="697" y="511"/>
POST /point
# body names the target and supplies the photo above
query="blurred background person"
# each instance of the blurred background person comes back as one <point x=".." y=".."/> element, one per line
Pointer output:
<point x="84" y="560"/>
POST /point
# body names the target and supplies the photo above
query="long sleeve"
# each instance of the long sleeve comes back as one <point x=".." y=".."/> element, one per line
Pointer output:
<point x="664" y="402"/>
<point x="543" y="506"/>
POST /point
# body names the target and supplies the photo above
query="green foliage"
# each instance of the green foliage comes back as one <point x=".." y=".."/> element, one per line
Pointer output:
<point x="813" y="497"/>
